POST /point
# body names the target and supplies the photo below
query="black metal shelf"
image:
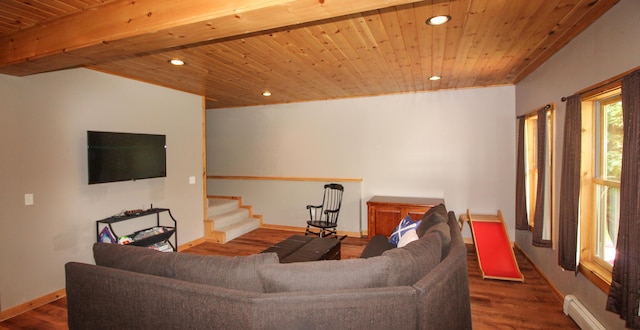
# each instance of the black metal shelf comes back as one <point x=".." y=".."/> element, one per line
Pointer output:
<point x="118" y="218"/>
<point x="165" y="236"/>
<point x="150" y="240"/>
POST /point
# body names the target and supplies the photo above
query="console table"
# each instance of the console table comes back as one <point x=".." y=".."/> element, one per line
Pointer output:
<point x="385" y="212"/>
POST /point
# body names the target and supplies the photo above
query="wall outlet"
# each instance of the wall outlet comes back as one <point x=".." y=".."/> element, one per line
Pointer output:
<point x="192" y="180"/>
<point x="28" y="199"/>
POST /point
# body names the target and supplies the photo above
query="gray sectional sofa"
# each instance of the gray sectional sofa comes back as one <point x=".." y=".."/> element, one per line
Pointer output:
<point x="413" y="287"/>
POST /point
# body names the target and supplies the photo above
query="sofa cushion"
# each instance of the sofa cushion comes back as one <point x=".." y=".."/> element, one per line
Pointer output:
<point x="322" y="275"/>
<point x="239" y="272"/>
<point x="405" y="224"/>
<point x="412" y="262"/>
<point x="444" y="231"/>
<point x="433" y="216"/>
<point x="376" y="246"/>
<point x="135" y="258"/>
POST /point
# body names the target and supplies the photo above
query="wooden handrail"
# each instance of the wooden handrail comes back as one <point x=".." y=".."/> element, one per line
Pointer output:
<point x="282" y="178"/>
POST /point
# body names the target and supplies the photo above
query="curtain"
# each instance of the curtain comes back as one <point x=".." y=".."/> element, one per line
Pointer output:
<point x="539" y="216"/>
<point x="570" y="185"/>
<point x="623" y="294"/>
<point x="522" y="222"/>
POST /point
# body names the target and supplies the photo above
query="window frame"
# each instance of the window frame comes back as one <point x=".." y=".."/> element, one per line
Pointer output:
<point x="531" y="167"/>
<point x="591" y="266"/>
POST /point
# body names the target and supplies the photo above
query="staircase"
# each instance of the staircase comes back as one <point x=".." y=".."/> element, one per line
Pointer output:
<point x="227" y="219"/>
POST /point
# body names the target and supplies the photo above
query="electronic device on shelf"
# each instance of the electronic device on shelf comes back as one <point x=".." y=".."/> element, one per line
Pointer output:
<point x="133" y="212"/>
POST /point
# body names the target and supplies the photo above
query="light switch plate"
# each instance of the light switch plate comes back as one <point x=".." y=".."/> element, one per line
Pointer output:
<point x="192" y="180"/>
<point x="28" y="199"/>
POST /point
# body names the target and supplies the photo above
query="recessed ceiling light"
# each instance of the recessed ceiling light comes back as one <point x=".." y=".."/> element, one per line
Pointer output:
<point x="438" y="20"/>
<point x="434" y="78"/>
<point x="176" y="61"/>
<point x="266" y="93"/>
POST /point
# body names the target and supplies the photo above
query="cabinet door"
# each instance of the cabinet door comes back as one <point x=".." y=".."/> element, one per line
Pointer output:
<point x="386" y="212"/>
<point x="417" y="212"/>
<point x="387" y="218"/>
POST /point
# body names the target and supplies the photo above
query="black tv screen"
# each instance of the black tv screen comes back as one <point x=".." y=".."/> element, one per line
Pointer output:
<point x="125" y="156"/>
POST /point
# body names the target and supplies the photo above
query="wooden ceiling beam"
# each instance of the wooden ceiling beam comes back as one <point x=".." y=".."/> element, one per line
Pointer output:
<point x="124" y="28"/>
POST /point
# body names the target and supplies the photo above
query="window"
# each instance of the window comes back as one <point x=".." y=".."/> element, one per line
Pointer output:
<point x="600" y="187"/>
<point x="531" y="170"/>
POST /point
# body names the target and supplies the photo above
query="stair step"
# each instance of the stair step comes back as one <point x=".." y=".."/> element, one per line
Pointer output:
<point x="225" y="219"/>
<point x="221" y="205"/>
<point x="240" y="228"/>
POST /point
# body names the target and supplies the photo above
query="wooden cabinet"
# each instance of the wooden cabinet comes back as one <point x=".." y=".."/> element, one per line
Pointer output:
<point x="385" y="212"/>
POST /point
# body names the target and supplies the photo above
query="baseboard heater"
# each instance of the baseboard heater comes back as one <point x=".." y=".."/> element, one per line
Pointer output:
<point x="574" y="309"/>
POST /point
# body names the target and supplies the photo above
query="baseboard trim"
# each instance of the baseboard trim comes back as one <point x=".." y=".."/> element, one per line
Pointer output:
<point x="555" y="290"/>
<point x="191" y="244"/>
<point x="32" y="304"/>
<point x="281" y="227"/>
<point x="303" y="229"/>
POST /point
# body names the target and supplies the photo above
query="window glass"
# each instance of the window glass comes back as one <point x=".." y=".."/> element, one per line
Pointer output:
<point x="601" y="167"/>
<point x="612" y="138"/>
<point x="607" y="178"/>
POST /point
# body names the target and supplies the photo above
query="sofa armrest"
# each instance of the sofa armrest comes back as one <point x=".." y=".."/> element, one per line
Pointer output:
<point x="443" y="294"/>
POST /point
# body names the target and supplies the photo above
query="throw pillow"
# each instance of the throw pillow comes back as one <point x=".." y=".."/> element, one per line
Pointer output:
<point x="443" y="230"/>
<point x="433" y="216"/>
<point x="405" y="224"/>
<point x="408" y="237"/>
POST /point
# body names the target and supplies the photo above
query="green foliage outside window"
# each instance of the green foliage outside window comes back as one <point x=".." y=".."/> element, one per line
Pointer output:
<point x="608" y="190"/>
<point x="614" y="134"/>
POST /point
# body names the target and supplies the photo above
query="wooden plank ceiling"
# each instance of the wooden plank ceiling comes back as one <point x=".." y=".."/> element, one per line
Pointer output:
<point x="299" y="50"/>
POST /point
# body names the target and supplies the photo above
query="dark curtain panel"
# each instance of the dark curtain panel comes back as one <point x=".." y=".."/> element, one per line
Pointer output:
<point x="570" y="185"/>
<point x="538" y="220"/>
<point x="623" y="294"/>
<point x="522" y="222"/>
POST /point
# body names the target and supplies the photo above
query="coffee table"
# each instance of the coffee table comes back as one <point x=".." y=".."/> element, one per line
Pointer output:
<point x="298" y="248"/>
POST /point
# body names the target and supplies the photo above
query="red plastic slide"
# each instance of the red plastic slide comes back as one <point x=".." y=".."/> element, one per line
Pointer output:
<point x="493" y="248"/>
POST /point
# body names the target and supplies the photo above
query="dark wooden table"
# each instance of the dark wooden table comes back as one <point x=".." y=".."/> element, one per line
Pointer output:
<point x="299" y="248"/>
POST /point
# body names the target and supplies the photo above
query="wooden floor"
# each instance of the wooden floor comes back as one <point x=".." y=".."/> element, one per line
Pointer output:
<point x="494" y="304"/>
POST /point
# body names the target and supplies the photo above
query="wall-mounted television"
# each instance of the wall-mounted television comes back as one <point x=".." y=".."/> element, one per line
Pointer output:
<point x="125" y="156"/>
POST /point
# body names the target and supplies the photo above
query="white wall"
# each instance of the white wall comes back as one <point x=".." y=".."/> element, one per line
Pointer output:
<point x="607" y="48"/>
<point x="43" y="124"/>
<point x="456" y="144"/>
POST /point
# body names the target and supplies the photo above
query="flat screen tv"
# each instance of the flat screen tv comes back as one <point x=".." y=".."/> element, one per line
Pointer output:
<point x="125" y="156"/>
